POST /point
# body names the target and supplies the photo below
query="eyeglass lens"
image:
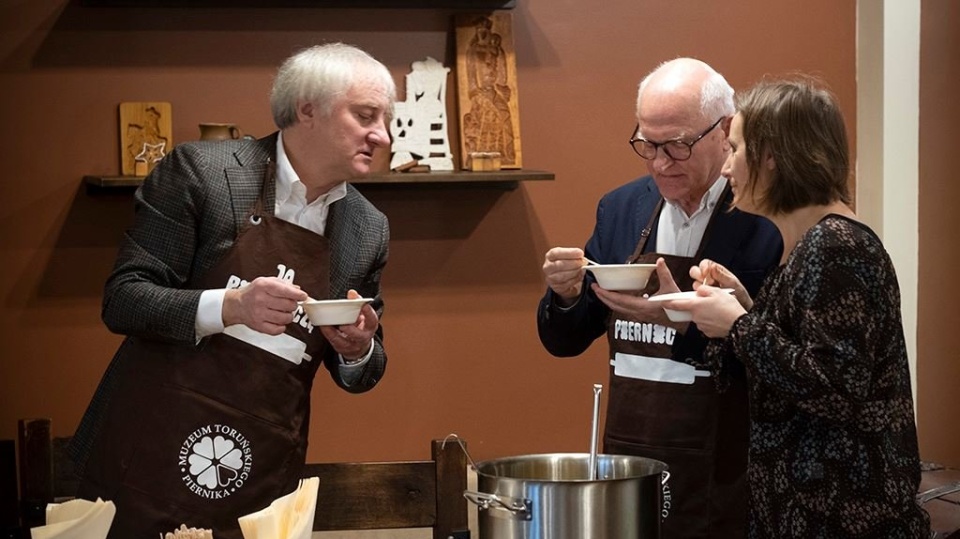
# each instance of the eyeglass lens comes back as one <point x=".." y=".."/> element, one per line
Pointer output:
<point x="676" y="150"/>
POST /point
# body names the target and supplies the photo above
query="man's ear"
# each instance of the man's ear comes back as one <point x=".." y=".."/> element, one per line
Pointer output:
<point x="306" y="111"/>
<point x="725" y="125"/>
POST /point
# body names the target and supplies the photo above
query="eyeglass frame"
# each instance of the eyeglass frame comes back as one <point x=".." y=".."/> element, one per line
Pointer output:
<point x="657" y="145"/>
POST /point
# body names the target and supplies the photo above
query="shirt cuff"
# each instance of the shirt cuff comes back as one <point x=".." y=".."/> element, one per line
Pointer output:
<point x="351" y="372"/>
<point x="561" y="308"/>
<point x="210" y="313"/>
<point x="357" y="363"/>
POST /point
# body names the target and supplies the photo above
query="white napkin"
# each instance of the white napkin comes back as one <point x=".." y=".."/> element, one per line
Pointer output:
<point x="288" y="517"/>
<point x="76" y="519"/>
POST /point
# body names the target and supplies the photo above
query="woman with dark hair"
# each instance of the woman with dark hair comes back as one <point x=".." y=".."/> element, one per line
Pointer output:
<point x="833" y="444"/>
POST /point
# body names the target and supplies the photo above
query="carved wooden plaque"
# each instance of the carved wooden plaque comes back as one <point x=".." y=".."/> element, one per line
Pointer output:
<point x="487" y="88"/>
<point x="145" y="136"/>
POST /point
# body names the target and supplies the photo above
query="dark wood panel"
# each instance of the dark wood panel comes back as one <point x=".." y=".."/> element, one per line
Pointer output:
<point x="401" y="494"/>
<point x="36" y="470"/>
<point x="357" y="496"/>
<point x="9" y="495"/>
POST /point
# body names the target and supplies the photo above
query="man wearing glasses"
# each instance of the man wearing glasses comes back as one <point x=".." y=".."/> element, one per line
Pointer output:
<point x="662" y="402"/>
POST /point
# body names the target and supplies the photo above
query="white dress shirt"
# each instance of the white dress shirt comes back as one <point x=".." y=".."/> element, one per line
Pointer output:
<point x="680" y="234"/>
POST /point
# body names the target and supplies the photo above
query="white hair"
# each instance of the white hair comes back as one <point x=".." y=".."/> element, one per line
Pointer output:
<point x="322" y="74"/>
<point x="716" y="95"/>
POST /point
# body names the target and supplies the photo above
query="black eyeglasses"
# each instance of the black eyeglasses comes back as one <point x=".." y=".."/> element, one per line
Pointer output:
<point x="678" y="150"/>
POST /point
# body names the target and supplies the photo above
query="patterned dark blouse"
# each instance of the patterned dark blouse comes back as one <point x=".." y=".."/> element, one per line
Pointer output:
<point x="833" y="446"/>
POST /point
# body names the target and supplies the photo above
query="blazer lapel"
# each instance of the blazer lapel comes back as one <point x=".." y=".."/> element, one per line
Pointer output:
<point x="245" y="179"/>
<point x="641" y="217"/>
<point x="343" y="227"/>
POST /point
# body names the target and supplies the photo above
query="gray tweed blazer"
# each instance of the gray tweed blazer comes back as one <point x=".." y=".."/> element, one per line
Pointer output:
<point x="189" y="210"/>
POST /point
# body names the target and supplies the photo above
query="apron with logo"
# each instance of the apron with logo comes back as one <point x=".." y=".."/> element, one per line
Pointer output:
<point x="203" y="435"/>
<point x="663" y="408"/>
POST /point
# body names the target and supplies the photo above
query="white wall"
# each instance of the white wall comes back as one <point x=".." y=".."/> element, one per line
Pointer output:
<point x="888" y="119"/>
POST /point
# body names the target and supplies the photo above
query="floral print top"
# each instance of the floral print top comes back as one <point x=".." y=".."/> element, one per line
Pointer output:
<point x="833" y="445"/>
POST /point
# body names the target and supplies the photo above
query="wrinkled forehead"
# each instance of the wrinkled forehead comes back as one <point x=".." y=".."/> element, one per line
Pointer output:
<point x="667" y="115"/>
<point x="370" y="92"/>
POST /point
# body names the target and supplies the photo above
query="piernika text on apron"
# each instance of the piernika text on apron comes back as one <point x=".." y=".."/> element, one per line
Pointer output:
<point x="629" y="330"/>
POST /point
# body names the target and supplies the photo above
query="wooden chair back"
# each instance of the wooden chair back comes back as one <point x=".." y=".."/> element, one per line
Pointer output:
<point x="46" y="473"/>
<point x="391" y="495"/>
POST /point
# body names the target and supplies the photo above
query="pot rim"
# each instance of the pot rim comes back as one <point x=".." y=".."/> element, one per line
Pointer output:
<point x="575" y="456"/>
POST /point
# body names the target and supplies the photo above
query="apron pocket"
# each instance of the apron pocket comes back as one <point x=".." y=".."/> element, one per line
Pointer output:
<point x="654" y="414"/>
<point x="241" y="376"/>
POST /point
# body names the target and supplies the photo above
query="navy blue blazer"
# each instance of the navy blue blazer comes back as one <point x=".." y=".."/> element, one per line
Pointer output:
<point x="748" y="245"/>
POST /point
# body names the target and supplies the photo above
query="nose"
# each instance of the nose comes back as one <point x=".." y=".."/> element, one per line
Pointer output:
<point x="727" y="170"/>
<point x="379" y="135"/>
<point x="661" y="161"/>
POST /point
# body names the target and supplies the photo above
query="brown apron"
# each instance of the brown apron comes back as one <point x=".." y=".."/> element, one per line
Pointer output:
<point x="203" y="435"/>
<point x="664" y="408"/>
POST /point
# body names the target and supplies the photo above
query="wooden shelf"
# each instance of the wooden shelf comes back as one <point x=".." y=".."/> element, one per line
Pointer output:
<point x="432" y="4"/>
<point x="500" y="179"/>
<point x="112" y="182"/>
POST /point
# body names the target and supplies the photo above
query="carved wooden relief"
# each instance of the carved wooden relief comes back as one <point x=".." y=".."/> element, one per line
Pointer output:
<point x="145" y="136"/>
<point x="487" y="88"/>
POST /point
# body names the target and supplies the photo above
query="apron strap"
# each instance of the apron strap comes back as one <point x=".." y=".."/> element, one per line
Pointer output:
<point x="269" y="176"/>
<point x="647" y="230"/>
<point x="645" y="233"/>
<point x="713" y="219"/>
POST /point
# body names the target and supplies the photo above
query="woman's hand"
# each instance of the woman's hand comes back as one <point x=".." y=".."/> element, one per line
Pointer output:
<point x="714" y="310"/>
<point x="714" y="274"/>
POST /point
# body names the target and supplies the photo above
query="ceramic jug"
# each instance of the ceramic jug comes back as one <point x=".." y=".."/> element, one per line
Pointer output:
<point x="212" y="131"/>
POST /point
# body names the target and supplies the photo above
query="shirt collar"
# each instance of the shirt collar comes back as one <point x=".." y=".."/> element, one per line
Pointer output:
<point x="709" y="200"/>
<point x="287" y="177"/>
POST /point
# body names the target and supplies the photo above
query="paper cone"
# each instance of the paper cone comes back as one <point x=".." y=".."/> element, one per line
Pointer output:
<point x="76" y="519"/>
<point x="287" y="517"/>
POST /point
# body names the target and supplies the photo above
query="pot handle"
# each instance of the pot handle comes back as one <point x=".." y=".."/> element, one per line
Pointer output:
<point x="518" y="507"/>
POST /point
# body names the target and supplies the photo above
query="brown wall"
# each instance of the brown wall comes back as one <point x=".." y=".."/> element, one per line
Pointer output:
<point x="938" y="365"/>
<point x="464" y="275"/>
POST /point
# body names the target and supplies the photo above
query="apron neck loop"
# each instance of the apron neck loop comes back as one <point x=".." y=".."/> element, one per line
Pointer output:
<point x="269" y="177"/>
<point x="648" y="230"/>
<point x="645" y="233"/>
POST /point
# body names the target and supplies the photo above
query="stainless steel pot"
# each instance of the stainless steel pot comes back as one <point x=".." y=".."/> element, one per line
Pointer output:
<point x="551" y="496"/>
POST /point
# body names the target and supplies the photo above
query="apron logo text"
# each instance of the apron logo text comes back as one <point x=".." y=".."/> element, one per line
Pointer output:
<point x="215" y="461"/>
<point x="667" y="501"/>
<point x="286" y="274"/>
<point x="628" y="330"/>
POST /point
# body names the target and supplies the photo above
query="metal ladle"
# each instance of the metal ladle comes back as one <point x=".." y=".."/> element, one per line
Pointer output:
<point x="594" y="433"/>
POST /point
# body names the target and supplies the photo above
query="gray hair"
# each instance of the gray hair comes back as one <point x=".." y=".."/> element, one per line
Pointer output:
<point x="322" y="74"/>
<point x="716" y="95"/>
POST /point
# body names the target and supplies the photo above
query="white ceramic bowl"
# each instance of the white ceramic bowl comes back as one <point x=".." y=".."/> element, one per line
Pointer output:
<point x="675" y="315"/>
<point x="622" y="277"/>
<point x="334" y="312"/>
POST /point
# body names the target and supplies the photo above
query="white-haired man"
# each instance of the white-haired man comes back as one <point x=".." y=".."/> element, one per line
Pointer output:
<point x="202" y="415"/>
<point x="659" y="405"/>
